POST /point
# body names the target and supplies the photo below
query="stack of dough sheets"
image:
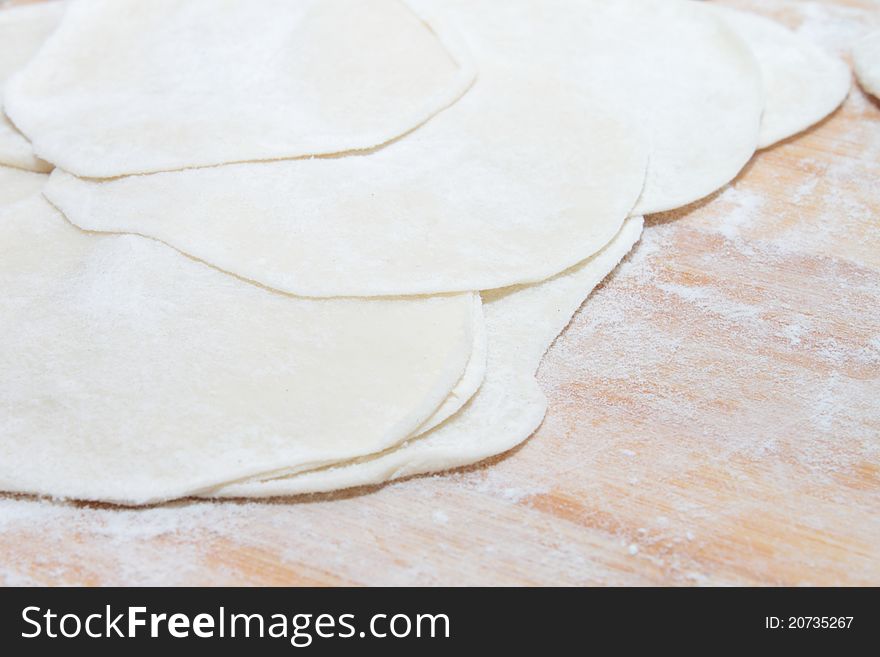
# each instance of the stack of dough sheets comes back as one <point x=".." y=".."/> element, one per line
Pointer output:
<point x="285" y="247"/>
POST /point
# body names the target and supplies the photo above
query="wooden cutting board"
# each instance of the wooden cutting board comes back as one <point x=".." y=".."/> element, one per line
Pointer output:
<point x="714" y="418"/>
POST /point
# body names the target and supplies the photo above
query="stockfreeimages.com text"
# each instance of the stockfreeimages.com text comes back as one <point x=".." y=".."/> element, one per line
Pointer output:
<point x="299" y="629"/>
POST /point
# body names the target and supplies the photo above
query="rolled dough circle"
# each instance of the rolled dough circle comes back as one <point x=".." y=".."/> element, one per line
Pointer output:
<point x="126" y="86"/>
<point x="521" y="322"/>
<point x="133" y="374"/>
<point x="802" y="83"/>
<point x="527" y="175"/>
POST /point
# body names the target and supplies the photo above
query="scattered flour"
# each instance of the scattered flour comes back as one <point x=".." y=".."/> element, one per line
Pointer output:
<point x="743" y="209"/>
<point x="497" y="485"/>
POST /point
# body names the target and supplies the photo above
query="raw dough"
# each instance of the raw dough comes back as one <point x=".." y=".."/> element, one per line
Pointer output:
<point x="127" y="86"/>
<point x="16" y="184"/>
<point x="22" y="31"/>
<point x="133" y="374"/>
<point x="802" y="83"/>
<point x="470" y="381"/>
<point x="521" y="322"/>
<point x="692" y="83"/>
<point x="522" y="178"/>
<point x="866" y="60"/>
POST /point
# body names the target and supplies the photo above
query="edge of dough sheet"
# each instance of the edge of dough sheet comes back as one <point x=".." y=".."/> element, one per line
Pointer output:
<point x="654" y="197"/>
<point x="469" y="384"/>
<point x="802" y="83"/>
<point x="471" y="380"/>
<point x="255" y="441"/>
<point x="866" y="62"/>
<point x="506" y="410"/>
<point x="39" y="20"/>
<point x="18" y="184"/>
<point x="51" y="145"/>
<point x="398" y="221"/>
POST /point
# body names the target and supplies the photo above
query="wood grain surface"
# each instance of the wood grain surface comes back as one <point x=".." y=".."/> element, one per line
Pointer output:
<point x="714" y="418"/>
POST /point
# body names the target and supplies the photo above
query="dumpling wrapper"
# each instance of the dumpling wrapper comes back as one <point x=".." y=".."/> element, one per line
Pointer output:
<point x="802" y="83"/>
<point x="866" y="61"/>
<point x="127" y="86"/>
<point x="522" y="178"/>
<point x="522" y="323"/>
<point x="17" y="184"/>
<point x="22" y="31"/>
<point x="132" y="374"/>
<point x="691" y="83"/>
<point x="471" y="379"/>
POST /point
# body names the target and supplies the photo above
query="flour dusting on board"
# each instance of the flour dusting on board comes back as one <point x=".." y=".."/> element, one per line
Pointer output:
<point x="736" y="336"/>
